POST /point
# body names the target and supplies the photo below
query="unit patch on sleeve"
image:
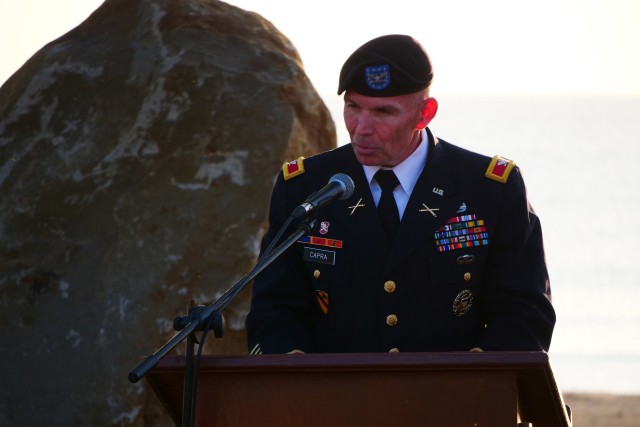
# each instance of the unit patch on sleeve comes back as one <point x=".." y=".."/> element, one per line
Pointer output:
<point x="323" y="301"/>
<point x="499" y="169"/>
<point x="293" y="168"/>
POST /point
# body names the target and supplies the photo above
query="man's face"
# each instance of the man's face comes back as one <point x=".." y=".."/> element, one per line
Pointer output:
<point x="383" y="130"/>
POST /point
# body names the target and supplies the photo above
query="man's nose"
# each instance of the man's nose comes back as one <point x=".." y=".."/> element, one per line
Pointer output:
<point x="365" y="124"/>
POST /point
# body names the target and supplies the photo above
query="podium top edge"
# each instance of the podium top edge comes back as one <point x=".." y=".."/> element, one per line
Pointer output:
<point x="367" y="361"/>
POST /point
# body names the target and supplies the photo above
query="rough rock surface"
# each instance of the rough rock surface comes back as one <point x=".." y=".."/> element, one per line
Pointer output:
<point x="137" y="155"/>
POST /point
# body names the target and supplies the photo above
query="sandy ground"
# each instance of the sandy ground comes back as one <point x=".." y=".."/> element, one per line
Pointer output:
<point x="604" y="410"/>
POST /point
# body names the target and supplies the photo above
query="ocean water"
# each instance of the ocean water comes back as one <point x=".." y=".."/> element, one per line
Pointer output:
<point x="580" y="157"/>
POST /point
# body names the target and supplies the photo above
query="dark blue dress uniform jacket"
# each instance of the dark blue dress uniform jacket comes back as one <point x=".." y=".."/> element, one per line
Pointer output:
<point x="495" y="297"/>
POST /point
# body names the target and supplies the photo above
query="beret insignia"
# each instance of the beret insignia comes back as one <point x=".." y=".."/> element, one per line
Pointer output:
<point x="378" y="77"/>
<point x="499" y="169"/>
<point x="293" y="168"/>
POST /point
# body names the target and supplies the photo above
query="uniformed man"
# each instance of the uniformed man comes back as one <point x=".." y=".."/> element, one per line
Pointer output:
<point x="437" y="249"/>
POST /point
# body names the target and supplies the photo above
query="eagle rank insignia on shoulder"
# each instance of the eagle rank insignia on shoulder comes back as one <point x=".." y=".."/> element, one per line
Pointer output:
<point x="499" y="169"/>
<point x="293" y="168"/>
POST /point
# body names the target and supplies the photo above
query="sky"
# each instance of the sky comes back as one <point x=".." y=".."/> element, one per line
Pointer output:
<point x="574" y="47"/>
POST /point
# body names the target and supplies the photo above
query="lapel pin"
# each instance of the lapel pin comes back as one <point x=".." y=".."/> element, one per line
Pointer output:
<point x="462" y="208"/>
<point x="430" y="210"/>
<point x="356" y="206"/>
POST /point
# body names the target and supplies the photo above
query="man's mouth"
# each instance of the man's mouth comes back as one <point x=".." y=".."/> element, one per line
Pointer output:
<point x="365" y="149"/>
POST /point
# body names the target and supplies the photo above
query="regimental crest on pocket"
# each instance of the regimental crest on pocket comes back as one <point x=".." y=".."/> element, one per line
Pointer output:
<point x="324" y="227"/>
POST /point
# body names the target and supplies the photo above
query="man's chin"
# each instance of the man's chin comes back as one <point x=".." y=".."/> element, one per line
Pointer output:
<point x="367" y="157"/>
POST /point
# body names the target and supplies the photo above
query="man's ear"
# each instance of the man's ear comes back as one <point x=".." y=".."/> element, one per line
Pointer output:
<point x="429" y="111"/>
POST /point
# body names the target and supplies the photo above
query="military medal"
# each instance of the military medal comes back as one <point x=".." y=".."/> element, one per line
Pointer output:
<point x="463" y="302"/>
<point x="459" y="232"/>
<point x="321" y="241"/>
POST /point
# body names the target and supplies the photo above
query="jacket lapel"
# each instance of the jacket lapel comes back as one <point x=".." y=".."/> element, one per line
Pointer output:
<point x="358" y="214"/>
<point x="432" y="202"/>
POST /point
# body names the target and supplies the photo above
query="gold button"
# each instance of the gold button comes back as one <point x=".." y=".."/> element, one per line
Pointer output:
<point x="467" y="277"/>
<point x="390" y="286"/>
<point x="394" y="350"/>
<point x="392" y="320"/>
<point x="316" y="274"/>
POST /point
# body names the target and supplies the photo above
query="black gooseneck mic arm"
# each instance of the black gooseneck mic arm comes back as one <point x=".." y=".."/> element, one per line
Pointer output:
<point x="206" y="317"/>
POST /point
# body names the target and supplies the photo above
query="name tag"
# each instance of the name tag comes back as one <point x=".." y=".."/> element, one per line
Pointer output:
<point x="319" y="255"/>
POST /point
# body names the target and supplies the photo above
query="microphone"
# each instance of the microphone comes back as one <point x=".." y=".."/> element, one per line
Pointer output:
<point x="340" y="187"/>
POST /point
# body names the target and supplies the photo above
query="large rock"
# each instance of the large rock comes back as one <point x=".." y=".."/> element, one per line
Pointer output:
<point x="137" y="155"/>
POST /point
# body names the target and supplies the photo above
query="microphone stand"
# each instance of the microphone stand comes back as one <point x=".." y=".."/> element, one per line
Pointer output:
<point x="203" y="318"/>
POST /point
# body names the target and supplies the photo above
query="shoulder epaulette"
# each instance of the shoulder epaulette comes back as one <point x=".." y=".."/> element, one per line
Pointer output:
<point x="499" y="169"/>
<point x="293" y="168"/>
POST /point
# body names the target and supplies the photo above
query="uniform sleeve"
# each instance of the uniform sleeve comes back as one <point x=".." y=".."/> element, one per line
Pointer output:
<point x="517" y="308"/>
<point x="278" y="321"/>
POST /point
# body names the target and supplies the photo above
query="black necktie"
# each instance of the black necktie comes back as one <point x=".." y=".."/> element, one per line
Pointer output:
<point x="387" y="208"/>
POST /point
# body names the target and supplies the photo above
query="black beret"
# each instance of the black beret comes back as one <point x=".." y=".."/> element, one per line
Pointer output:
<point x="387" y="66"/>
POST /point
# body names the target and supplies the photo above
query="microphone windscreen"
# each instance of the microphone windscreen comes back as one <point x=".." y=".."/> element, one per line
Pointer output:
<point x="346" y="182"/>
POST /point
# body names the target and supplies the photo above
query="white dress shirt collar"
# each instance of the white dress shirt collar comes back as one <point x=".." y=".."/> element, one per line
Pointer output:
<point x="407" y="172"/>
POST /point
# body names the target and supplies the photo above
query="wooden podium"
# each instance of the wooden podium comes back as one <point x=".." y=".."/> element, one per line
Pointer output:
<point x="491" y="389"/>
